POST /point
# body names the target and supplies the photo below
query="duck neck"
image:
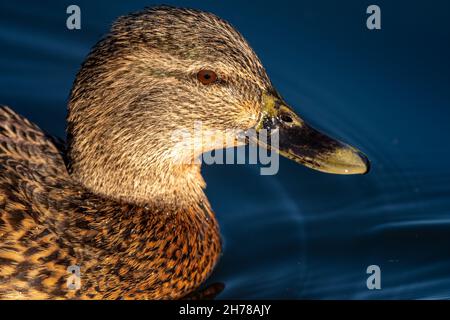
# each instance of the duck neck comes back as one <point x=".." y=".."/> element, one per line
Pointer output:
<point x="142" y="182"/>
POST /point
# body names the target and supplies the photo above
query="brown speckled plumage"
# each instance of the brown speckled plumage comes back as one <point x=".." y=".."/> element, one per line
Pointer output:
<point x="138" y="226"/>
<point x="48" y="222"/>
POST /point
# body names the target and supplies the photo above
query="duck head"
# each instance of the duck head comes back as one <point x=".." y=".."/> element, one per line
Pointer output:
<point x="163" y="69"/>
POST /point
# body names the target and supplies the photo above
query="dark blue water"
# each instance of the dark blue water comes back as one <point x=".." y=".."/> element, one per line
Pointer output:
<point x="299" y="234"/>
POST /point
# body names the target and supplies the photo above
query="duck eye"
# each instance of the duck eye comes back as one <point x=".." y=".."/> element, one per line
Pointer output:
<point x="206" y="76"/>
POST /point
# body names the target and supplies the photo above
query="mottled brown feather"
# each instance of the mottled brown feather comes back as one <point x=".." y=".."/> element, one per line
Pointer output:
<point x="48" y="223"/>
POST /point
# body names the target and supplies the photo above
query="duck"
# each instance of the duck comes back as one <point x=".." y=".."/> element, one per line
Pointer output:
<point x="109" y="205"/>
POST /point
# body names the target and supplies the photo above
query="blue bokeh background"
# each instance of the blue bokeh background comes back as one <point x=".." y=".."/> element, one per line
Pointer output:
<point x="299" y="234"/>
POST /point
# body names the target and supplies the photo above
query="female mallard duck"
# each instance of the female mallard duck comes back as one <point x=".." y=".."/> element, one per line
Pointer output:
<point x="113" y="202"/>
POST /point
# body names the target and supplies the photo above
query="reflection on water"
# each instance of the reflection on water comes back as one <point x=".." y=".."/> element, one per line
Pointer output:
<point x="300" y="234"/>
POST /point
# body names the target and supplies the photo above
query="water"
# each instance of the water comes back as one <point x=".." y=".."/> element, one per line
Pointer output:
<point x="300" y="234"/>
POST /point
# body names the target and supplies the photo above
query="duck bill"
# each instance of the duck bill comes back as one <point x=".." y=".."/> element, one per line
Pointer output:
<point x="300" y="142"/>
